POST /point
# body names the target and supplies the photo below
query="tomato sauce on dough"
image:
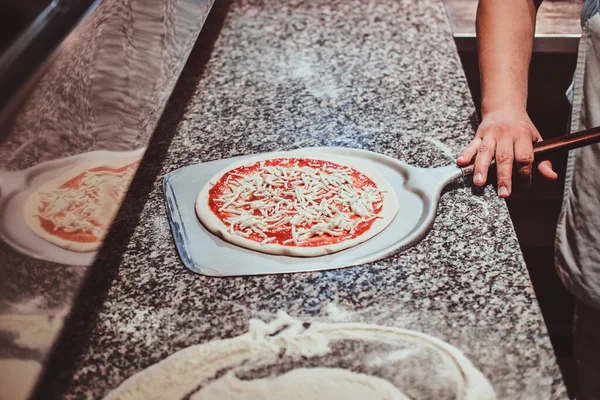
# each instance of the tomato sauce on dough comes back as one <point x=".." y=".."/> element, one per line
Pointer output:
<point x="280" y="236"/>
<point x="75" y="183"/>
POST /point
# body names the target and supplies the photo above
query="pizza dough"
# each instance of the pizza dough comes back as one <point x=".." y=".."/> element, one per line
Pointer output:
<point x="401" y="363"/>
<point x="302" y="245"/>
<point x="74" y="210"/>
<point x="303" y="384"/>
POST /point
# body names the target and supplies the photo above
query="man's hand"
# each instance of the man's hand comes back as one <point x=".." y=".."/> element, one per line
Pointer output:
<point x="505" y="31"/>
<point x="507" y="136"/>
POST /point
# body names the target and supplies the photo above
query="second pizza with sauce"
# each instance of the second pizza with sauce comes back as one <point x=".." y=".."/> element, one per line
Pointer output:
<point x="75" y="210"/>
<point x="297" y="205"/>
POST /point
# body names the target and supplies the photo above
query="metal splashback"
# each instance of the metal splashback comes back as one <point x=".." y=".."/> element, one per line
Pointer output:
<point x="81" y="81"/>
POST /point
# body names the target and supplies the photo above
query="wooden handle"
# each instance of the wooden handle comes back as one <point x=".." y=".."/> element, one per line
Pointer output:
<point x="567" y="142"/>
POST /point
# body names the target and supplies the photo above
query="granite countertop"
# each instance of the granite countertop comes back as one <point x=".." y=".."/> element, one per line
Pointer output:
<point x="265" y="76"/>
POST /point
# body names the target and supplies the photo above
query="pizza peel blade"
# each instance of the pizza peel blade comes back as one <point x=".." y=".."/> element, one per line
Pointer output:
<point x="418" y="191"/>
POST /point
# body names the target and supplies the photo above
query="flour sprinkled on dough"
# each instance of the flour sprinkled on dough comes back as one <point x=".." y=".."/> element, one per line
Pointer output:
<point x="227" y="369"/>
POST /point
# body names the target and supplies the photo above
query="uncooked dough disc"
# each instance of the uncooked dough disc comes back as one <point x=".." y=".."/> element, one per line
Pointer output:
<point x="101" y="184"/>
<point x="273" y="359"/>
<point x="303" y="384"/>
<point x="384" y="217"/>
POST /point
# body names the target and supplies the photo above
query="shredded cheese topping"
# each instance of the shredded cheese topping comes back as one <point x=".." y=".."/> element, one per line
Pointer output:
<point x="311" y="200"/>
<point x="89" y="207"/>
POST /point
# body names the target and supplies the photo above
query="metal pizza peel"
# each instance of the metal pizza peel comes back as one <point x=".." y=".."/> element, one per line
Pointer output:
<point x="418" y="191"/>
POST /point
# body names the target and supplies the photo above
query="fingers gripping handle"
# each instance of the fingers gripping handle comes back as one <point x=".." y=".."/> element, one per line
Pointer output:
<point x="556" y="144"/>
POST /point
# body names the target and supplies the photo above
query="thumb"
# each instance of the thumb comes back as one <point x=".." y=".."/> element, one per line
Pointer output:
<point x="545" y="168"/>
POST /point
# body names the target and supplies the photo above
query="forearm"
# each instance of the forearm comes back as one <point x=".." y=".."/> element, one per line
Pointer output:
<point x="505" y="32"/>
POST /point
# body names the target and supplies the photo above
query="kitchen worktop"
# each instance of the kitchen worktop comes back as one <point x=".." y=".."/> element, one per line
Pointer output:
<point x="557" y="29"/>
<point x="382" y="76"/>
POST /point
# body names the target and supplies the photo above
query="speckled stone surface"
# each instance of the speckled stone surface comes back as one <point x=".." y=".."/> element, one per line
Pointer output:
<point x="377" y="75"/>
<point x="104" y="88"/>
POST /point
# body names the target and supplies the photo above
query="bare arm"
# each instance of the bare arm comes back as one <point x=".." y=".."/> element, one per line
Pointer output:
<point x="505" y="32"/>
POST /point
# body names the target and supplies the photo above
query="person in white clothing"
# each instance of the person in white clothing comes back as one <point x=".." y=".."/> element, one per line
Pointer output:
<point x="505" y="32"/>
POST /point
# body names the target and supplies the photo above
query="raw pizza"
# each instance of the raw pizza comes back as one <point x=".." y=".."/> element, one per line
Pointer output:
<point x="297" y="204"/>
<point x="75" y="210"/>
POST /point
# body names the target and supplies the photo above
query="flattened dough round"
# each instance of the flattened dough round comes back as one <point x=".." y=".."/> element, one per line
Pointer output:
<point x="31" y="206"/>
<point x="303" y="384"/>
<point x="411" y="364"/>
<point x="217" y="227"/>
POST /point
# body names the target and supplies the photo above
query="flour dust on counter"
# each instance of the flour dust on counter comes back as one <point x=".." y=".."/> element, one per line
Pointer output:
<point x="297" y="204"/>
<point x="307" y="360"/>
<point x="17" y="378"/>
<point x="34" y="331"/>
<point x="30" y="326"/>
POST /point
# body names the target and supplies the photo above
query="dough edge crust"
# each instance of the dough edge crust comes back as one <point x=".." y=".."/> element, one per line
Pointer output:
<point x="390" y="207"/>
